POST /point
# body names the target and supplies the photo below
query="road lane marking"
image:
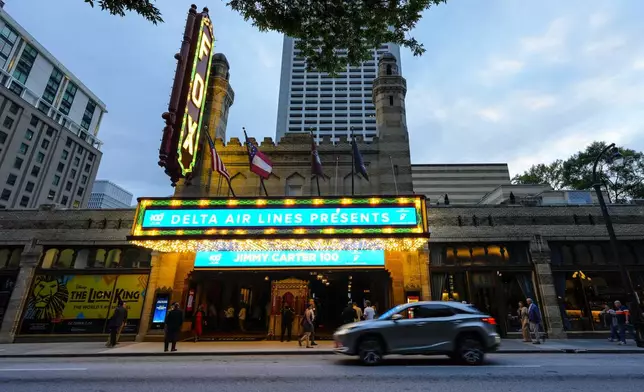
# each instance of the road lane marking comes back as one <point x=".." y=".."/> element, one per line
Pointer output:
<point x="476" y="367"/>
<point x="42" y="369"/>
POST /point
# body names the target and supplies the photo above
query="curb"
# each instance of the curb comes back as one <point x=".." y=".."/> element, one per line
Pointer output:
<point x="289" y="353"/>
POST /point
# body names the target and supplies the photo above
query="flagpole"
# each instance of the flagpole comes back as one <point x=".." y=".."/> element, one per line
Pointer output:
<point x="337" y="162"/>
<point x="230" y="188"/>
<point x="393" y="171"/>
<point x="353" y="164"/>
<point x="261" y="180"/>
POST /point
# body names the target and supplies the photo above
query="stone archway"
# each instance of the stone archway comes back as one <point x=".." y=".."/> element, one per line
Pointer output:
<point x="293" y="291"/>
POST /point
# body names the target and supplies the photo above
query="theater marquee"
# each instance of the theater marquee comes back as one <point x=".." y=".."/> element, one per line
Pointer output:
<point x="220" y="223"/>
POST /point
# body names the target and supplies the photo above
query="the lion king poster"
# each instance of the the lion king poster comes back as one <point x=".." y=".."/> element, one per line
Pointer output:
<point x="79" y="304"/>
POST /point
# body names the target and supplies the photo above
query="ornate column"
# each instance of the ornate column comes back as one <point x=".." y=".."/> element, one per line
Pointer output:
<point x="148" y="304"/>
<point x="423" y="262"/>
<point x="28" y="263"/>
<point x="540" y="253"/>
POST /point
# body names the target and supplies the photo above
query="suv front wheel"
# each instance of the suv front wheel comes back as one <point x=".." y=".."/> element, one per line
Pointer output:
<point x="470" y="351"/>
<point x="370" y="351"/>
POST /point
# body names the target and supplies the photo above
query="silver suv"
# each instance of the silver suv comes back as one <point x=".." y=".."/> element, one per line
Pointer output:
<point x="457" y="330"/>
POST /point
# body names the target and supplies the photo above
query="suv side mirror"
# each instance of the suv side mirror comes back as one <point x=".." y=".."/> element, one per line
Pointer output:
<point x="397" y="317"/>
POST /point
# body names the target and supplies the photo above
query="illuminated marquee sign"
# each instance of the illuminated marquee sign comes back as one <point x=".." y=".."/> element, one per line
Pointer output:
<point x="196" y="99"/>
<point x="290" y="259"/>
<point x="274" y="218"/>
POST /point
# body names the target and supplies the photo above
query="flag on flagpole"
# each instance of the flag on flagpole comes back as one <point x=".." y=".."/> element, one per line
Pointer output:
<point x="316" y="163"/>
<point x="217" y="164"/>
<point x="357" y="160"/>
<point x="260" y="164"/>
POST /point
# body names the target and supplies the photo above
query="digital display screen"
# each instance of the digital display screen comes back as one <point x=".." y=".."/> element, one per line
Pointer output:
<point x="279" y="217"/>
<point x="290" y="258"/>
<point x="160" y="309"/>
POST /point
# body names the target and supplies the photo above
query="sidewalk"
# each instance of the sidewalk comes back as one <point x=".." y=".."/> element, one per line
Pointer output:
<point x="130" y="349"/>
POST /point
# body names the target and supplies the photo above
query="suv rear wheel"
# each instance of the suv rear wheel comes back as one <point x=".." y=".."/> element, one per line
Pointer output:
<point x="370" y="351"/>
<point x="470" y="351"/>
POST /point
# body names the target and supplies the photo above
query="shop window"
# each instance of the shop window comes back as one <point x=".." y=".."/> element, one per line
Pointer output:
<point x="582" y="254"/>
<point x="50" y="258"/>
<point x="113" y="258"/>
<point x="65" y="259"/>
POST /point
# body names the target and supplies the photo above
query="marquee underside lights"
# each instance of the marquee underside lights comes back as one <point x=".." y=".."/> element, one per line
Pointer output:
<point x="190" y="246"/>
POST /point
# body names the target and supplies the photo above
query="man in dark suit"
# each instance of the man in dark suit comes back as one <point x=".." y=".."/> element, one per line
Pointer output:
<point x="287" y="322"/>
<point x="118" y="320"/>
<point x="173" y="322"/>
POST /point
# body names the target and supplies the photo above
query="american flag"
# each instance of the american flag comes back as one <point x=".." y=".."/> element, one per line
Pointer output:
<point x="260" y="164"/>
<point x="217" y="163"/>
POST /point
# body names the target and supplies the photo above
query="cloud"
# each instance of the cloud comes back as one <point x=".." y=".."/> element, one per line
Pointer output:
<point x="551" y="43"/>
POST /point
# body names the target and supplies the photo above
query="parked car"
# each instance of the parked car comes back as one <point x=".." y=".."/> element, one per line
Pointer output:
<point x="457" y="330"/>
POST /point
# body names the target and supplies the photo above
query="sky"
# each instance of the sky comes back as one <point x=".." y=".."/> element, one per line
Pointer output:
<point x="513" y="81"/>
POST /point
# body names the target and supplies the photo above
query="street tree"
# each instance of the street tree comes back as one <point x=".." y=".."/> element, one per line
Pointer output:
<point x="622" y="179"/>
<point x="322" y="27"/>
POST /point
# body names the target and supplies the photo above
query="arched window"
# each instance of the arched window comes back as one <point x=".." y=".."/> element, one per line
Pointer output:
<point x="113" y="259"/>
<point x="5" y="254"/>
<point x="66" y="259"/>
<point x="82" y="259"/>
<point x="389" y="69"/>
<point x="131" y="258"/>
<point x="14" y="258"/>
<point x="98" y="259"/>
<point x="50" y="258"/>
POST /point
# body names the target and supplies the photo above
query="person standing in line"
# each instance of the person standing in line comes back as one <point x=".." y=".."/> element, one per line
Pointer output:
<point x="369" y="311"/>
<point x="622" y="315"/>
<point x="314" y="316"/>
<point x="198" y="322"/>
<point x="534" y="318"/>
<point x="525" y="321"/>
<point x="242" y="318"/>
<point x="173" y="322"/>
<point x="117" y="321"/>
<point x="307" y="326"/>
<point x="358" y="312"/>
<point x="349" y="314"/>
<point x="287" y="322"/>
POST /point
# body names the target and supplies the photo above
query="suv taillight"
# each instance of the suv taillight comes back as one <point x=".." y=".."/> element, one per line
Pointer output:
<point x="489" y="320"/>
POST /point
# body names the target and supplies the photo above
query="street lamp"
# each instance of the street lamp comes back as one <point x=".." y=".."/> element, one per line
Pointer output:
<point x="636" y="312"/>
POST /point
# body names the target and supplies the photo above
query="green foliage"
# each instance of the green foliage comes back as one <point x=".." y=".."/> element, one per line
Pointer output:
<point x="322" y="27"/>
<point x="622" y="179"/>
<point x="145" y="8"/>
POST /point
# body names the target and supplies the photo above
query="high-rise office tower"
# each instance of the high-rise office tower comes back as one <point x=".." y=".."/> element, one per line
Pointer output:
<point x="49" y="122"/>
<point x="106" y="194"/>
<point x="328" y="106"/>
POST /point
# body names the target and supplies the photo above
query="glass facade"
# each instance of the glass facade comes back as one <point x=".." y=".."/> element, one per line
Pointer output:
<point x="585" y="280"/>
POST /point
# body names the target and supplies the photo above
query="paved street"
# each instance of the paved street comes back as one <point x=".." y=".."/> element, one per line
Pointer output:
<point x="525" y="373"/>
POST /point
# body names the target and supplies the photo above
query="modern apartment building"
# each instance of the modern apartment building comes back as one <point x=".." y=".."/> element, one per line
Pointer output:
<point x="463" y="183"/>
<point x="106" y="194"/>
<point x="328" y="106"/>
<point x="49" y="122"/>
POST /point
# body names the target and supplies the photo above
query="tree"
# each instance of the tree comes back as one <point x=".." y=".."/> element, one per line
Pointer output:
<point x="322" y="27"/>
<point x="542" y="174"/>
<point x="623" y="180"/>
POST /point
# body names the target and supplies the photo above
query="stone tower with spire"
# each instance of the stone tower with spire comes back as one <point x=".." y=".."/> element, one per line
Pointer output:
<point x="389" y="90"/>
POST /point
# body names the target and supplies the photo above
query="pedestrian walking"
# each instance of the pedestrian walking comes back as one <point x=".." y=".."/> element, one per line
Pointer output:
<point x="287" y="322"/>
<point x="610" y="321"/>
<point x="358" y="312"/>
<point x="314" y="317"/>
<point x="369" y="312"/>
<point x="525" y="321"/>
<point x="116" y="323"/>
<point x="307" y="326"/>
<point x="349" y="314"/>
<point x="173" y="322"/>
<point x="198" y="322"/>
<point x="534" y="318"/>
<point x="622" y="315"/>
